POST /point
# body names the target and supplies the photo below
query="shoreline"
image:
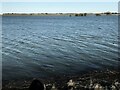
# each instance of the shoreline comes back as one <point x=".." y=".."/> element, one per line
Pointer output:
<point x="62" y="14"/>
<point x="82" y="81"/>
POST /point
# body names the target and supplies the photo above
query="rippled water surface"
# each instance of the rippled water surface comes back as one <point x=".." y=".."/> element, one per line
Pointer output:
<point x="38" y="46"/>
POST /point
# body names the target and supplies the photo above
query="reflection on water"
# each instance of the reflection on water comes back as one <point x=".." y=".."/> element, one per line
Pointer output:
<point x="47" y="46"/>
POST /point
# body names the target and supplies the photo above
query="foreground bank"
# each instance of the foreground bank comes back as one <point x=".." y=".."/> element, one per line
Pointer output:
<point x="97" y="80"/>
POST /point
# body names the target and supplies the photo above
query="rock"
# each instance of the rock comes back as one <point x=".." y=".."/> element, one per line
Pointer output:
<point x="53" y="87"/>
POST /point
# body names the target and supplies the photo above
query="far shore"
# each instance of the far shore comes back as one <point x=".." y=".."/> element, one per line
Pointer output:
<point x="61" y="14"/>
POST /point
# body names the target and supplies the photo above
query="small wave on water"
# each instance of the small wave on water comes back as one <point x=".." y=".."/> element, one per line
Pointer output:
<point x="42" y="47"/>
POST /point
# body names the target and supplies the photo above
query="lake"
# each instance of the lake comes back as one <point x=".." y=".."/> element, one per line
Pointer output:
<point x="47" y="46"/>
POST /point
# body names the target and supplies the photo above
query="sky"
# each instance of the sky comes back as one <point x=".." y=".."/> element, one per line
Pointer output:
<point x="59" y="0"/>
<point x="59" y="7"/>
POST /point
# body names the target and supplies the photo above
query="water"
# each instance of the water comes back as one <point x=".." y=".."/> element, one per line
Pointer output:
<point x="44" y="46"/>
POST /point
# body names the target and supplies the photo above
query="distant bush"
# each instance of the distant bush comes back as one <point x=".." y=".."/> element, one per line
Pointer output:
<point x="108" y="13"/>
<point x="98" y="14"/>
<point x="81" y="14"/>
<point x="76" y="14"/>
<point x="85" y="14"/>
<point x="115" y="13"/>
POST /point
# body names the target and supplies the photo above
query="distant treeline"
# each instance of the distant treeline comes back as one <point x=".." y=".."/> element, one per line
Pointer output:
<point x="62" y="14"/>
<point x="97" y="14"/>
